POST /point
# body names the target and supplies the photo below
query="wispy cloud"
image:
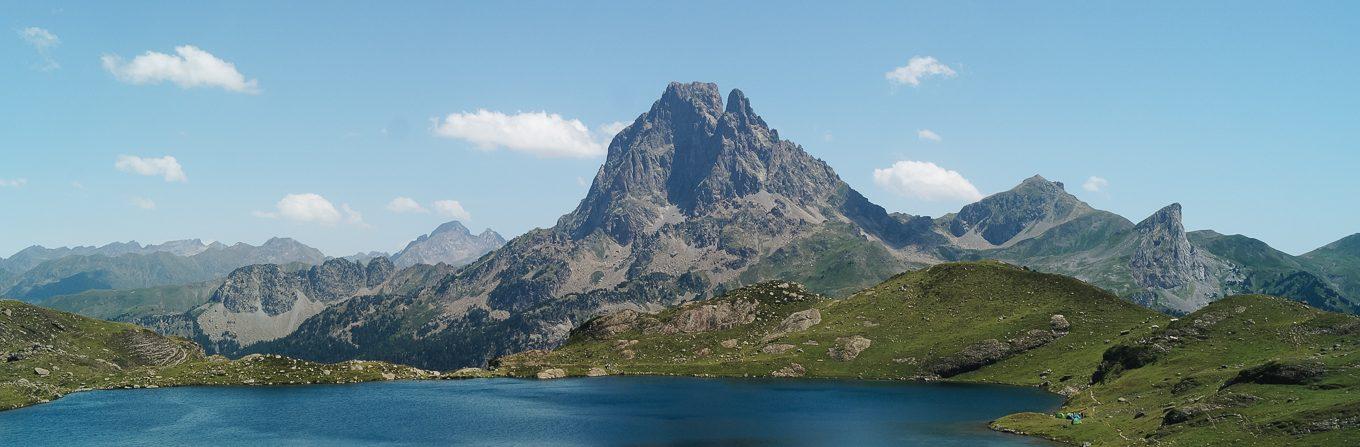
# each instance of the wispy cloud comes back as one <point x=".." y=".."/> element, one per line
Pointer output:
<point x="143" y="203"/>
<point x="918" y="68"/>
<point x="451" y="208"/>
<point x="189" y="67"/>
<point x="43" y="41"/>
<point x="405" y="205"/>
<point x="928" y="135"/>
<point x="542" y="134"/>
<point x="1095" y="184"/>
<point x="167" y="167"/>
<point x="13" y="182"/>
<point x="926" y="181"/>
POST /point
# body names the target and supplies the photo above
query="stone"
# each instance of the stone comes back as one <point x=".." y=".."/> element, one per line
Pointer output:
<point x="793" y="370"/>
<point x="41" y="372"/>
<point x="1058" y="323"/>
<point x="389" y="376"/>
<point x="847" y="348"/>
<point x="552" y="373"/>
<point x="777" y="348"/>
<point x="796" y="322"/>
<point x="596" y="372"/>
<point x="729" y="343"/>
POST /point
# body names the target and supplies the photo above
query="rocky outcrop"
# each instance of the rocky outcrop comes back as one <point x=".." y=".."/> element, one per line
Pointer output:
<point x="265" y="302"/>
<point x="450" y="243"/>
<point x="711" y="317"/>
<point x="987" y="352"/>
<point x="793" y="370"/>
<point x="848" y="348"/>
<point x="796" y="322"/>
<point x="1176" y="274"/>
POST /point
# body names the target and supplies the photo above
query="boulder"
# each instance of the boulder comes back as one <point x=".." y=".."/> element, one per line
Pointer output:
<point x="596" y="372"/>
<point x="793" y="370"/>
<point x="847" y="348"/>
<point x="729" y="343"/>
<point x="1058" y="323"/>
<point x="1281" y="373"/>
<point x="41" y="372"/>
<point x="796" y="322"/>
<point x="552" y="373"/>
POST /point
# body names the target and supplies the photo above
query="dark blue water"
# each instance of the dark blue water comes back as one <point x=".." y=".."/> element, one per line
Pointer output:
<point x="631" y="411"/>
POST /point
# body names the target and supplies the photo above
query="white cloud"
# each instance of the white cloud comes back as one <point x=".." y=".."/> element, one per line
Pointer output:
<point x="13" y="182"/>
<point x="189" y="67"/>
<point x="917" y="69"/>
<point x="828" y="137"/>
<point x="538" y="133"/>
<point x="42" y="40"/>
<point x="166" y="167"/>
<point x="143" y="203"/>
<point x="1095" y="184"/>
<point x="609" y="130"/>
<point x="353" y="217"/>
<point x="451" y="208"/>
<point x="928" y="135"/>
<point x="925" y="180"/>
<point x="306" y="208"/>
<point x="405" y="205"/>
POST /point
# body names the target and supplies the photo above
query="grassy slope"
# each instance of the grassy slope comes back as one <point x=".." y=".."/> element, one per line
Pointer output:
<point x="911" y="319"/>
<point x="127" y="305"/>
<point x="81" y="353"/>
<point x="1211" y="347"/>
<point x="841" y="263"/>
<point x="916" y="318"/>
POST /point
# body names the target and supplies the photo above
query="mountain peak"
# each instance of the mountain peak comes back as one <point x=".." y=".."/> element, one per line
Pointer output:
<point x="451" y="226"/>
<point x="1023" y="212"/>
<point x="1169" y="215"/>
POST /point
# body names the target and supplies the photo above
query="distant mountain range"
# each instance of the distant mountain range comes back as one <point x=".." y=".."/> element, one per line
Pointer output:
<point x="698" y="196"/>
<point x="40" y="273"/>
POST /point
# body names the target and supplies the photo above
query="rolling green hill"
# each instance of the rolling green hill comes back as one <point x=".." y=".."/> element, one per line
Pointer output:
<point x="997" y="323"/>
<point x="128" y="305"/>
<point x="45" y="354"/>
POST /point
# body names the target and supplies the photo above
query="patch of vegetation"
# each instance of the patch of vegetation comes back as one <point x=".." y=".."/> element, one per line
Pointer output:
<point x="128" y="305"/>
<point x="45" y="354"/>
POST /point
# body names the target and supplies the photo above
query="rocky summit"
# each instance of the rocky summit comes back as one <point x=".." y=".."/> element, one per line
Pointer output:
<point x="699" y="195"/>
<point x="450" y="243"/>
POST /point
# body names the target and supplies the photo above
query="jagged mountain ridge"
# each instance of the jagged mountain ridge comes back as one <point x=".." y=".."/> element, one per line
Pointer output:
<point x="73" y="273"/>
<point x="693" y="193"/>
<point x="697" y="196"/>
<point x="450" y="243"/>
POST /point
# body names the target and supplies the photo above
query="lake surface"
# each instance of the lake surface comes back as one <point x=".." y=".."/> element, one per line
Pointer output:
<point x="606" y="411"/>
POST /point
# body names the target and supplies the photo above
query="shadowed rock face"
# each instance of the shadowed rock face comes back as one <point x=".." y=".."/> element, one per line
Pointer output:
<point x="1164" y="257"/>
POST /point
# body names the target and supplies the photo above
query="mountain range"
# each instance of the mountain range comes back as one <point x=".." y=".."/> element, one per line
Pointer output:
<point x="699" y="195"/>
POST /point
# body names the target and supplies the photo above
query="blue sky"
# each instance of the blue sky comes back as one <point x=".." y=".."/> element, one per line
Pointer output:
<point x="1244" y="113"/>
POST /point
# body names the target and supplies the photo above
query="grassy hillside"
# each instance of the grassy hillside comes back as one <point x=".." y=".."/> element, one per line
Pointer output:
<point x="128" y="305"/>
<point x="993" y="322"/>
<point x="912" y="323"/>
<point x="1246" y="370"/>
<point x="45" y="354"/>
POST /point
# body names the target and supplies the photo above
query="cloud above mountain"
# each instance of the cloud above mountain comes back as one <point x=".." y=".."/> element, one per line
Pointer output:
<point x="405" y="205"/>
<point x="312" y="208"/>
<point x="926" y="181"/>
<point x="918" y="69"/>
<point x="166" y="167"/>
<point x="542" y="134"/>
<point x="189" y="67"/>
<point x="452" y="209"/>
<point x="13" y="182"/>
<point x="1095" y="184"/>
